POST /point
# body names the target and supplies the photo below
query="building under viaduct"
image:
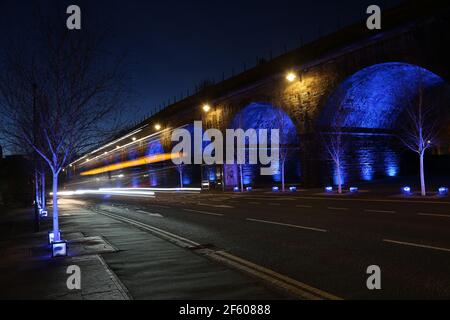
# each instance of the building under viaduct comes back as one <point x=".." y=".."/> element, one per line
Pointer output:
<point x="356" y="82"/>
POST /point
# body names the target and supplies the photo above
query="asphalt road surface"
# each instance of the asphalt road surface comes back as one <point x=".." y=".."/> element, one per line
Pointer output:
<point x="325" y="242"/>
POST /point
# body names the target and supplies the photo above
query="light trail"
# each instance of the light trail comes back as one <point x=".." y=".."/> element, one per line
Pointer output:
<point x="132" y="163"/>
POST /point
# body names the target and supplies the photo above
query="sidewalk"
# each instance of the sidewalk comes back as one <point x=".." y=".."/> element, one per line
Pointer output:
<point x="117" y="261"/>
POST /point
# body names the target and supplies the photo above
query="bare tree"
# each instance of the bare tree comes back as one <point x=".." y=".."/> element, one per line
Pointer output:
<point x="288" y="137"/>
<point x="333" y="140"/>
<point x="421" y="129"/>
<point x="58" y="97"/>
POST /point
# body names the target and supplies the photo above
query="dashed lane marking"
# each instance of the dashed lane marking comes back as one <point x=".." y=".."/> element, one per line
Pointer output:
<point x="416" y="245"/>
<point x="204" y="212"/>
<point x="379" y="211"/>
<point x="287" y="225"/>
<point x="435" y="215"/>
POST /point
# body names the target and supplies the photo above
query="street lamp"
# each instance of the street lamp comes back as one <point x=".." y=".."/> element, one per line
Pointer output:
<point x="206" y="107"/>
<point x="157" y="126"/>
<point x="291" y="77"/>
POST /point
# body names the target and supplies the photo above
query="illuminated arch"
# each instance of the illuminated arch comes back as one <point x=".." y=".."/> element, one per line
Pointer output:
<point x="375" y="97"/>
<point x="260" y="116"/>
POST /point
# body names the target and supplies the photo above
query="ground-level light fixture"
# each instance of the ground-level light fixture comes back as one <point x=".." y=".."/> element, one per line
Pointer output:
<point x="443" y="191"/>
<point x="59" y="249"/>
<point x="329" y="189"/>
<point x="236" y="189"/>
<point x="51" y="236"/>
<point x="354" y="189"/>
<point x="406" y="190"/>
<point x="275" y="189"/>
<point x="157" y="126"/>
<point x="291" y="77"/>
<point x="249" y="189"/>
<point x="206" y="108"/>
<point x="293" y="189"/>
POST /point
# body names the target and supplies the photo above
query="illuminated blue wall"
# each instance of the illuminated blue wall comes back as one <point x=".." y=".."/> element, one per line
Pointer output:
<point x="265" y="116"/>
<point x="373" y="98"/>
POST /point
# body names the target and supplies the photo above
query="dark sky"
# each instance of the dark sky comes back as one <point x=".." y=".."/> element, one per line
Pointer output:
<point x="173" y="45"/>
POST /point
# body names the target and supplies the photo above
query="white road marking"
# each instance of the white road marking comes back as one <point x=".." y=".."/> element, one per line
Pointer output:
<point x="334" y="208"/>
<point x="287" y="225"/>
<point x="303" y="206"/>
<point x="379" y="211"/>
<point x="416" y="245"/>
<point x="204" y="212"/>
<point x="214" y="205"/>
<point x="150" y="214"/>
<point x="295" y="287"/>
<point x="435" y="215"/>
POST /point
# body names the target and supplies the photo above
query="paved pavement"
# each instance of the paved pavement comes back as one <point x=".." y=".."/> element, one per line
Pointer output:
<point x="326" y="242"/>
<point x="117" y="261"/>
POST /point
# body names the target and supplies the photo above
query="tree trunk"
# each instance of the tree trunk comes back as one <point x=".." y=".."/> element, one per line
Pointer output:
<point x="339" y="178"/>
<point x="36" y="187"/>
<point x="282" y="177"/>
<point x="55" y="208"/>
<point x="241" y="177"/>
<point x="181" y="177"/>
<point x="422" y="175"/>
<point x="43" y="197"/>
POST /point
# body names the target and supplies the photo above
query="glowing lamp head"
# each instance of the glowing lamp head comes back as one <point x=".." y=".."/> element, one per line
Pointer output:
<point x="206" y="108"/>
<point x="354" y="189"/>
<point x="329" y="189"/>
<point x="157" y="126"/>
<point x="291" y="77"/>
<point x="134" y="138"/>
<point x="275" y="189"/>
<point x="293" y="189"/>
<point x="236" y="189"/>
<point x="406" y="190"/>
<point x="443" y="191"/>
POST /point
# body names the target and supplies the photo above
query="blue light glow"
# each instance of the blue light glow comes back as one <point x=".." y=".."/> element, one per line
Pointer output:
<point x="292" y="189"/>
<point x="443" y="191"/>
<point x="375" y="97"/>
<point x="329" y="189"/>
<point x="406" y="190"/>
<point x="275" y="189"/>
<point x="354" y="189"/>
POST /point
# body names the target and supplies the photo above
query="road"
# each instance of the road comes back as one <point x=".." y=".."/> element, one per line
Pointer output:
<point x="325" y="242"/>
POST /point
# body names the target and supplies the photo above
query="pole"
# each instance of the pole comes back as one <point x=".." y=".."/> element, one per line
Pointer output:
<point x="36" y="209"/>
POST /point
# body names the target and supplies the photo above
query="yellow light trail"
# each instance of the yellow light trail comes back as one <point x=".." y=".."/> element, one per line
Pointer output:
<point x="132" y="163"/>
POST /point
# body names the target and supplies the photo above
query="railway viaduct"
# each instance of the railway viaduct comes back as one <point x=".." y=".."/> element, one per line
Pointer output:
<point x="372" y="72"/>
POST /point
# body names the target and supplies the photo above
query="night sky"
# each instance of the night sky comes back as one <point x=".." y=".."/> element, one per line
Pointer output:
<point x="173" y="45"/>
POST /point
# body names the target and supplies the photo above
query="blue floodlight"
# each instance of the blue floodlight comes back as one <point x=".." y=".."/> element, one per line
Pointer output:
<point x="249" y="189"/>
<point x="406" y="190"/>
<point x="443" y="191"/>
<point x="59" y="249"/>
<point x="354" y="189"/>
<point x="292" y="189"/>
<point x="275" y="189"/>
<point x="236" y="189"/>
<point x="51" y="236"/>
<point x="329" y="189"/>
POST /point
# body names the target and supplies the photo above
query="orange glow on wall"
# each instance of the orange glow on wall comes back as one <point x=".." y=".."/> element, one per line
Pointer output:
<point x="132" y="163"/>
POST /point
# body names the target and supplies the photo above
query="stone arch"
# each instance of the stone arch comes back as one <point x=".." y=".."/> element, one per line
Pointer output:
<point x="259" y="116"/>
<point x="369" y="106"/>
